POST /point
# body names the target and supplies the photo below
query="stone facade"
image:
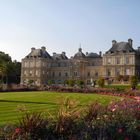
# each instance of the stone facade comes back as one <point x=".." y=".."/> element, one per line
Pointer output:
<point x="40" y="68"/>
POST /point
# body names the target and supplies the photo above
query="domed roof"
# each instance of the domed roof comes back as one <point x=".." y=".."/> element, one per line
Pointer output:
<point x="79" y="54"/>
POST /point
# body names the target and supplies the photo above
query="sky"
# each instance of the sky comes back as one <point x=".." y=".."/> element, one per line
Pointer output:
<point x="62" y="25"/>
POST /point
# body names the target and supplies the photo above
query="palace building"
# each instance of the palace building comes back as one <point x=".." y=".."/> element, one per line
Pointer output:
<point x="40" y="67"/>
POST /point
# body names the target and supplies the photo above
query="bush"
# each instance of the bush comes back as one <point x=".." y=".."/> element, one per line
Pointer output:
<point x="133" y="82"/>
<point x="33" y="126"/>
<point x="117" y="120"/>
<point x="101" y="82"/>
<point x="80" y="83"/>
<point x="71" y="83"/>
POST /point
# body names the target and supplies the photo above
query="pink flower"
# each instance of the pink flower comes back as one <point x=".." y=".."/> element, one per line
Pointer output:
<point x="113" y="109"/>
<point x="120" y="130"/>
<point x="17" y="130"/>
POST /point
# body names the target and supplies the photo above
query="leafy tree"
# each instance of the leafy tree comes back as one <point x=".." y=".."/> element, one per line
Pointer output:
<point x="9" y="71"/>
<point x="14" y="71"/>
<point x="119" y="78"/>
<point x="50" y="82"/>
<point x="101" y="82"/>
<point x="66" y="82"/>
<point x="80" y="83"/>
<point x="71" y="83"/>
<point x="30" y="82"/>
<point x="133" y="82"/>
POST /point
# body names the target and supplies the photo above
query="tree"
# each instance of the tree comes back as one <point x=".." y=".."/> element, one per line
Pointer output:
<point x="101" y="82"/>
<point x="119" y="78"/>
<point x="66" y="82"/>
<point x="133" y="82"/>
<point x="71" y="83"/>
<point x="50" y="82"/>
<point x="80" y="83"/>
<point x="9" y="71"/>
<point x="3" y="71"/>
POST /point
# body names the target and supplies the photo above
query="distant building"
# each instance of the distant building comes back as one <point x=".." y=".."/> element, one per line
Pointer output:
<point x="41" y="68"/>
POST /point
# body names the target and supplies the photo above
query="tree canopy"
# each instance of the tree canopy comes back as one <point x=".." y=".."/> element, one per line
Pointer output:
<point x="9" y="70"/>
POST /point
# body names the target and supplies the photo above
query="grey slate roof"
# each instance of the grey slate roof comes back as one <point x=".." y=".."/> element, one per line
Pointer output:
<point x="39" y="53"/>
<point x="59" y="56"/>
<point x="92" y="55"/>
<point x="79" y="54"/>
<point x="121" y="47"/>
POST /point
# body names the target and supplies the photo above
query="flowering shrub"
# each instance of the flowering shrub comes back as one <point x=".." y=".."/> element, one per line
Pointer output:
<point x="117" y="120"/>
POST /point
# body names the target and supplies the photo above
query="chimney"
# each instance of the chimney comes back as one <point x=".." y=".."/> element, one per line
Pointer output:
<point x="80" y="49"/>
<point x="63" y="53"/>
<point x="43" y="48"/>
<point x="100" y="53"/>
<point x="139" y="48"/>
<point x="32" y="49"/>
<point x="54" y="54"/>
<point x="130" y="41"/>
<point x="86" y="53"/>
<point x="114" y="42"/>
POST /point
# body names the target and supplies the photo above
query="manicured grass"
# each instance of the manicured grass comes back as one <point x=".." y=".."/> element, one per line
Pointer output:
<point x="10" y="102"/>
<point x="121" y="86"/>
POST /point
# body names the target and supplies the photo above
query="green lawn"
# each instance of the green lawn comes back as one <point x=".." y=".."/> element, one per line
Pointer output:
<point x="121" y="86"/>
<point x="10" y="102"/>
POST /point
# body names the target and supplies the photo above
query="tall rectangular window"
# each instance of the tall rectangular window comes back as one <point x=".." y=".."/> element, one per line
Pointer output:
<point x="88" y="74"/>
<point x="30" y="72"/>
<point x="109" y="61"/>
<point x="118" y="60"/>
<point x="117" y="72"/>
<point x="127" y="60"/>
<point x="108" y="72"/>
<point x="53" y="74"/>
<point x="25" y="72"/>
<point x="36" y="72"/>
<point x="59" y="74"/>
<point x="75" y="73"/>
<point x="127" y="71"/>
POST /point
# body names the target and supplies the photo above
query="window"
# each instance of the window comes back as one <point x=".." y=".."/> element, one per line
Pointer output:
<point x="66" y="74"/>
<point x="25" y="72"/>
<point x="59" y="65"/>
<point x="117" y="72"/>
<point x="31" y="64"/>
<point x="25" y="64"/>
<point x="43" y="64"/>
<point x="96" y="74"/>
<point x="127" y="72"/>
<point x="88" y="74"/>
<point x="118" y="60"/>
<point x="37" y="64"/>
<point x="108" y="72"/>
<point x="36" y="72"/>
<point x="59" y="74"/>
<point x="53" y="74"/>
<point x="43" y="72"/>
<point x="75" y="73"/>
<point x="30" y="72"/>
<point x="109" y="61"/>
<point x="127" y="60"/>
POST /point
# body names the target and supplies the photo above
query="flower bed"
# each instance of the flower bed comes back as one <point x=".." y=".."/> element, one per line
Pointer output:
<point x="117" y="120"/>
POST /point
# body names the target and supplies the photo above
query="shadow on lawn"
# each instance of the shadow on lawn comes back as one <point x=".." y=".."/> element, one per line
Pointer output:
<point x="29" y="102"/>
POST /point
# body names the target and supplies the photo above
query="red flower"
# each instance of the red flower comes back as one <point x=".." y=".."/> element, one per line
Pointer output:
<point x="17" y="130"/>
<point x="126" y="138"/>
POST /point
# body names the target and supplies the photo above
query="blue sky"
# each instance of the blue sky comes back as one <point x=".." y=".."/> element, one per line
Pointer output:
<point x="61" y="25"/>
